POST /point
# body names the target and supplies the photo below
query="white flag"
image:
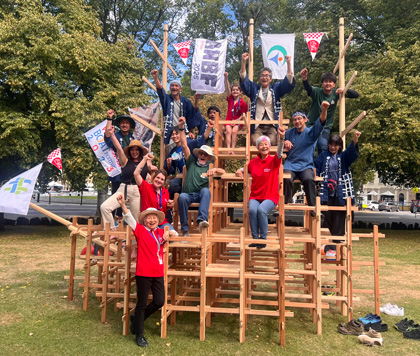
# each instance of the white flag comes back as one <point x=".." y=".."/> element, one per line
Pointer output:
<point x="313" y="40"/>
<point x="55" y="159"/>
<point x="275" y="48"/>
<point x="183" y="50"/>
<point x="105" y="155"/>
<point x="208" y="66"/>
<point x="16" y="194"/>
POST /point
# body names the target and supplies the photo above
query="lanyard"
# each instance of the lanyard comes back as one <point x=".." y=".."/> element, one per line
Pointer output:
<point x="156" y="239"/>
<point x="159" y="201"/>
<point x="234" y="112"/>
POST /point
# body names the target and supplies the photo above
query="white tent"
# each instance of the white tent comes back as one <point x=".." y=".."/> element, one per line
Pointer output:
<point x="388" y="193"/>
<point x="372" y="193"/>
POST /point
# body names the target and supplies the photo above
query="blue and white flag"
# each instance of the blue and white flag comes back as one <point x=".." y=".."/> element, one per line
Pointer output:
<point x="275" y="48"/>
<point x="16" y="194"/>
<point x="105" y="155"/>
<point x="208" y="66"/>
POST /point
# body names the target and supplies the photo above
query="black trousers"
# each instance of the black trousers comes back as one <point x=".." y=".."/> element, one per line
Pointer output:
<point x="144" y="310"/>
<point x="335" y="221"/>
<point x="307" y="179"/>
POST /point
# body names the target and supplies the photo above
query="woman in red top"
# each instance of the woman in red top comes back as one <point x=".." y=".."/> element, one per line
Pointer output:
<point x="153" y="195"/>
<point x="149" y="269"/>
<point x="264" y="196"/>
<point x="236" y="107"/>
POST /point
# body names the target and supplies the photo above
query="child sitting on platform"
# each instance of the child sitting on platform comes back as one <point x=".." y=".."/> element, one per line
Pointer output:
<point x="149" y="268"/>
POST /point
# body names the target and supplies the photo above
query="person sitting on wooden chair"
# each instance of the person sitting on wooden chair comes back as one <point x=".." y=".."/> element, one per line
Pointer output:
<point x="196" y="186"/>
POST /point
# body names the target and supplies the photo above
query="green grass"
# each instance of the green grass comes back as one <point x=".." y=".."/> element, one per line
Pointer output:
<point x="36" y="317"/>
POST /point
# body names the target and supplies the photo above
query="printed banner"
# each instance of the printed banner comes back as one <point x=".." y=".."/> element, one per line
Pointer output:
<point x="275" y="48"/>
<point x="150" y="114"/>
<point x="16" y="194"/>
<point x="105" y="155"/>
<point x="55" y="159"/>
<point x="313" y="40"/>
<point x="208" y="66"/>
<point x="183" y="50"/>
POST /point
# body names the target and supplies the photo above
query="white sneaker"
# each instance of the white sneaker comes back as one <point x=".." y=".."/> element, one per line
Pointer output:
<point x="203" y="224"/>
<point x="385" y="306"/>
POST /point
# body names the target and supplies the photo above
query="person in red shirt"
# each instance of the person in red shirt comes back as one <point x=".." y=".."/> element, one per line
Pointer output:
<point x="154" y="194"/>
<point x="264" y="196"/>
<point x="236" y="107"/>
<point x="149" y="268"/>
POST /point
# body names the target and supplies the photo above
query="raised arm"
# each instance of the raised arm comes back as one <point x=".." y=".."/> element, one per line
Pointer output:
<point x="306" y="85"/>
<point x="183" y="138"/>
<point x="227" y="85"/>
<point x="109" y="115"/>
<point x="128" y="217"/>
<point x="245" y="57"/>
<point x="120" y="152"/>
<point x="280" y="135"/>
<point x="137" y="172"/>
<point x="289" y="69"/>
<point x="356" y="137"/>
<point x="196" y="100"/>
<point x="324" y="107"/>
<point x="155" y="74"/>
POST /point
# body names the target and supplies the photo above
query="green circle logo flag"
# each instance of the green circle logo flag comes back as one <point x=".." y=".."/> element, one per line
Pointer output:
<point x="277" y="54"/>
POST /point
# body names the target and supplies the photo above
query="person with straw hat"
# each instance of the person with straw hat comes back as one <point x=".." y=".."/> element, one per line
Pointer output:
<point x="196" y="186"/>
<point x="149" y="267"/>
<point x="129" y="158"/>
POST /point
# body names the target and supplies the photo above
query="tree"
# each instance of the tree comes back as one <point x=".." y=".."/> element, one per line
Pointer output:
<point x="57" y="80"/>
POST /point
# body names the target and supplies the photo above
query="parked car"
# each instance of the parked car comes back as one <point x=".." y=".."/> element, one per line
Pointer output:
<point x="373" y="205"/>
<point x="388" y="206"/>
<point x="413" y="208"/>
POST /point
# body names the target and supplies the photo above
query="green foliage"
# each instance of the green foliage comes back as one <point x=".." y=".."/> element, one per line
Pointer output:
<point x="57" y="80"/>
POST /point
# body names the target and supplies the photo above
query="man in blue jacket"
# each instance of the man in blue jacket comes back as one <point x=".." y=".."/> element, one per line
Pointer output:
<point x="300" y="142"/>
<point x="265" y="99"/>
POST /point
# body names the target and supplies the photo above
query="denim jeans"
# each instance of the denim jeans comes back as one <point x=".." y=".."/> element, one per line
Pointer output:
<point x="322" y="143"/>
<point x="186" y="199"/>
<point x="162" y="226"/>
<point x="258" y="217"/>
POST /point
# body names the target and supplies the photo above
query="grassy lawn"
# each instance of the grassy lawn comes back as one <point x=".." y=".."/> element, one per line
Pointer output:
<point x="36" y="318"/>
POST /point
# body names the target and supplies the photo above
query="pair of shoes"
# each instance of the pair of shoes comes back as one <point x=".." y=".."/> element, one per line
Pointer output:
<point x="380" y="327"/>
<point x="202" y="224"/>
<point x="392" y="310"/>
<point x="141" y="340"/>
<point x="132" y="325"/>
<point x="406" y="324"/>
<point x="371" y="318"/>
<point x="370" y="341"/>
<point x="412" y="333"/>
<point x="353" y="327"/>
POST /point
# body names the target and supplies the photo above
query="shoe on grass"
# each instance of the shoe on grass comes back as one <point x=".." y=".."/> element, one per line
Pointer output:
<point x="406" y="324"/>
<point x="353" y="327"/>
<point x="380" y="327"/>
<point x="412" y="333"/>
<point x="141" y="341"/>
<point x="371" y="318"/>
<point x="373" y="333"/>
<point x="370" y="341"/>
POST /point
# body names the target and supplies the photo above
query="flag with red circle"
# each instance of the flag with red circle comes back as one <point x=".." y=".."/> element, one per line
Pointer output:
<point x="183" y="50"/>
<point x="55" y="159"/>
<point x="313" y="40"/>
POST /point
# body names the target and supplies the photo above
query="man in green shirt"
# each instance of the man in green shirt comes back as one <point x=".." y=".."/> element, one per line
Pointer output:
<point x="196" y="186"/>
<point x="328" y="92"/>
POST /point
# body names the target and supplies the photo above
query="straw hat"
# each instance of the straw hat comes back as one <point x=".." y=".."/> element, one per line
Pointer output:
<point x="135" y="143"/>
<point x="206" y="149"/>
<point x="148" y="211"/>
<point x="118" y="119"/>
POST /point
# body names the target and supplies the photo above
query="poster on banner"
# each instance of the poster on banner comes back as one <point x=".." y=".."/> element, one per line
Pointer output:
<point x="105" y="155"/>
<point x="16" y="194"/>
<point x="183" y="50"/>
<point x="313" y="40"/>
<point x="275" y="48"/>
<point x="55" y="159"/>
<point x="208" y="66"/>
<point x="150" y="114"/>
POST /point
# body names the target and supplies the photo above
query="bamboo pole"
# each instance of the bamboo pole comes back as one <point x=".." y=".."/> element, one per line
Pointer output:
<point x="353" y="124"/>
<point x="164" y="84"/>
<point x="342" y="80"/>
<point x="162" y="56"/>
<point x="149" y="83"/>
<point x="353" y="77"/>
<point x="59" y="219"/>
<point x="343" y="52"/>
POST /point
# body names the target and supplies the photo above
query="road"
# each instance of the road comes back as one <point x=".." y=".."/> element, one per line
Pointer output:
<point x="67" y="211"/>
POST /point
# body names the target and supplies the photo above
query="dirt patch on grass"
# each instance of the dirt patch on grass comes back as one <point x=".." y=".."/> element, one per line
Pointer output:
<point x="7" y="319"/>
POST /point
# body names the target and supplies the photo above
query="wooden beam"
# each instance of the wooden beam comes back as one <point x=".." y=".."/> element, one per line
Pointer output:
<point x="353" y="77"/>
<point x="162" y="57"/>
<point x="343" y="52"/>
<point x="145" y="123"/>
<point x="353" y="124"/>
<point x="149" y="83"/>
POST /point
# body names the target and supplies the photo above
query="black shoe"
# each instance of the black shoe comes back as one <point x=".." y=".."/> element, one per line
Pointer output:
<point x="380" y="327"/>
<point x="260" y="246"/>
<point x="412" y="334"/>
<point x="141" y="341"/>
<point x="313" y="213"/>
<point x="132" y="325"/>
<point x="253" y="245"/>
<point x="405" y="325"/>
